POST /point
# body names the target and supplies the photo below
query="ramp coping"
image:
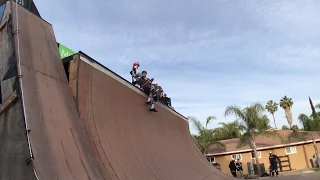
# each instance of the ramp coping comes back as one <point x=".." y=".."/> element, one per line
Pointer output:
<point x="118" y="78"/>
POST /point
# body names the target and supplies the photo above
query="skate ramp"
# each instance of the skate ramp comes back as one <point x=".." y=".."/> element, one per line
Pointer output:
<point x="132" y="142"/>
<point x="50" y="113"/>
<point x="113" y="136"/>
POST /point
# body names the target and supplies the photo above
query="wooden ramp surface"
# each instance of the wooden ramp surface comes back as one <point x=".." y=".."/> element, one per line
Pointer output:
<point x="50" y="111"/>
<point x="114" y="136"/>
<point x="132" y="142"/>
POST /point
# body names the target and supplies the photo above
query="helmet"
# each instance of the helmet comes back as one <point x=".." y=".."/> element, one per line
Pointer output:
<point x="155" y="83"/>
<point x="136" y="63"/>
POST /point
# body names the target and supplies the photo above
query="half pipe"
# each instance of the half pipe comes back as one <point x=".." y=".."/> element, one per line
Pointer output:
<point x="96" y="125"/>
<point x="132" y="142"/>
<point x="137" y="143"/>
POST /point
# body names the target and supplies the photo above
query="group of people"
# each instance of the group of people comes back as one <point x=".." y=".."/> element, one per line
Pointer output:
<point x="152" y="89"/>
<point x="237" y="170"/>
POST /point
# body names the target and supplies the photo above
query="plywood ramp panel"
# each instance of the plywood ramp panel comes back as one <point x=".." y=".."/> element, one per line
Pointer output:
<point x="13" y="141"/>
<point x="50" y="110"/>
<point x="133" y="142"/>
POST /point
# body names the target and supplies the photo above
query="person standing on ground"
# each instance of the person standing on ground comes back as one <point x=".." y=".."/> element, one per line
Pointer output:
<point x="233" y="168"/>
<point x="273" y="159"/>
<point x="239" y="168"/>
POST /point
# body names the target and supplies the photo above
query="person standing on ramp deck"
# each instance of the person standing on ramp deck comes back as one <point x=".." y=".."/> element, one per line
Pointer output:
<point x="135" y="74"/>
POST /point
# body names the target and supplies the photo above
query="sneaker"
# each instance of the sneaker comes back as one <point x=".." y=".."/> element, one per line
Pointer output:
<point x="154" y="110"/>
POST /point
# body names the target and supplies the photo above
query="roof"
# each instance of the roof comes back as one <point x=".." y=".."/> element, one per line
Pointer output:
<point x="262" y="143"/>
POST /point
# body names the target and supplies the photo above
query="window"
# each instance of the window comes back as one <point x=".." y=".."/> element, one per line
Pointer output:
<point x="259" y="154"/>
<point x="236" y="156"/>
<point x="291" y="150"/>
<point x="211" y="160"/>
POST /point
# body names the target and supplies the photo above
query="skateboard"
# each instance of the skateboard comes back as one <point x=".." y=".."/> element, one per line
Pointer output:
<point x="144" y="85"/>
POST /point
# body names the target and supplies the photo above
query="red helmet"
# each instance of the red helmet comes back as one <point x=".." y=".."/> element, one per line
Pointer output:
<point x="136" y="63"/>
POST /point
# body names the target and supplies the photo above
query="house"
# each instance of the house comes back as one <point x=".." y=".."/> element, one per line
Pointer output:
<point x="297" y="154"/>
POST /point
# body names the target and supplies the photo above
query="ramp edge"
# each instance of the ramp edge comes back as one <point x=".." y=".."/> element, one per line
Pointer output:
<point x="100" y="67"/>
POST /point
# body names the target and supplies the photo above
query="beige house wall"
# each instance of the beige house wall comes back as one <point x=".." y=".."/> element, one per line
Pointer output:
<point x="310" y="152"/>
<point x="224" y="163"/>
<point x="299" y="160"/>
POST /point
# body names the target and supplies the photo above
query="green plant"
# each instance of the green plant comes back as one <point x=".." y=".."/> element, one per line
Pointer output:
<point x="255" y="124"/>
<point x="205" y="138"/>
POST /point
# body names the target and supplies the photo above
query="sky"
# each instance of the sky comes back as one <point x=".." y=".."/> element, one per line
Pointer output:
<point x="206" y="54"/>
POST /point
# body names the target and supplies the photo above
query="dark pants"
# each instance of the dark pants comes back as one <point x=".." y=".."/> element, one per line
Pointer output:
<point x="146" y="90"/>
<point x="165" y="101"/>
<point x="274" y="169"/>
<point x="239" y="172"/>
<point x="234" y="173"/>
<point x="155" y="98"/>
<point x="134" y="82"/>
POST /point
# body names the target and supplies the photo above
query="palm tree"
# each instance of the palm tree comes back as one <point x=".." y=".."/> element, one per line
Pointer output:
<point x="312" y="122"/>
<point x="306" y="121"/>
<point x="272" y="107"/>
<point x="255" y="124"/>
<point x="309" y="126"/>
<point x="286" y="103"/>
<point x="205" y="138"/>
<point x="228" y="130"/>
